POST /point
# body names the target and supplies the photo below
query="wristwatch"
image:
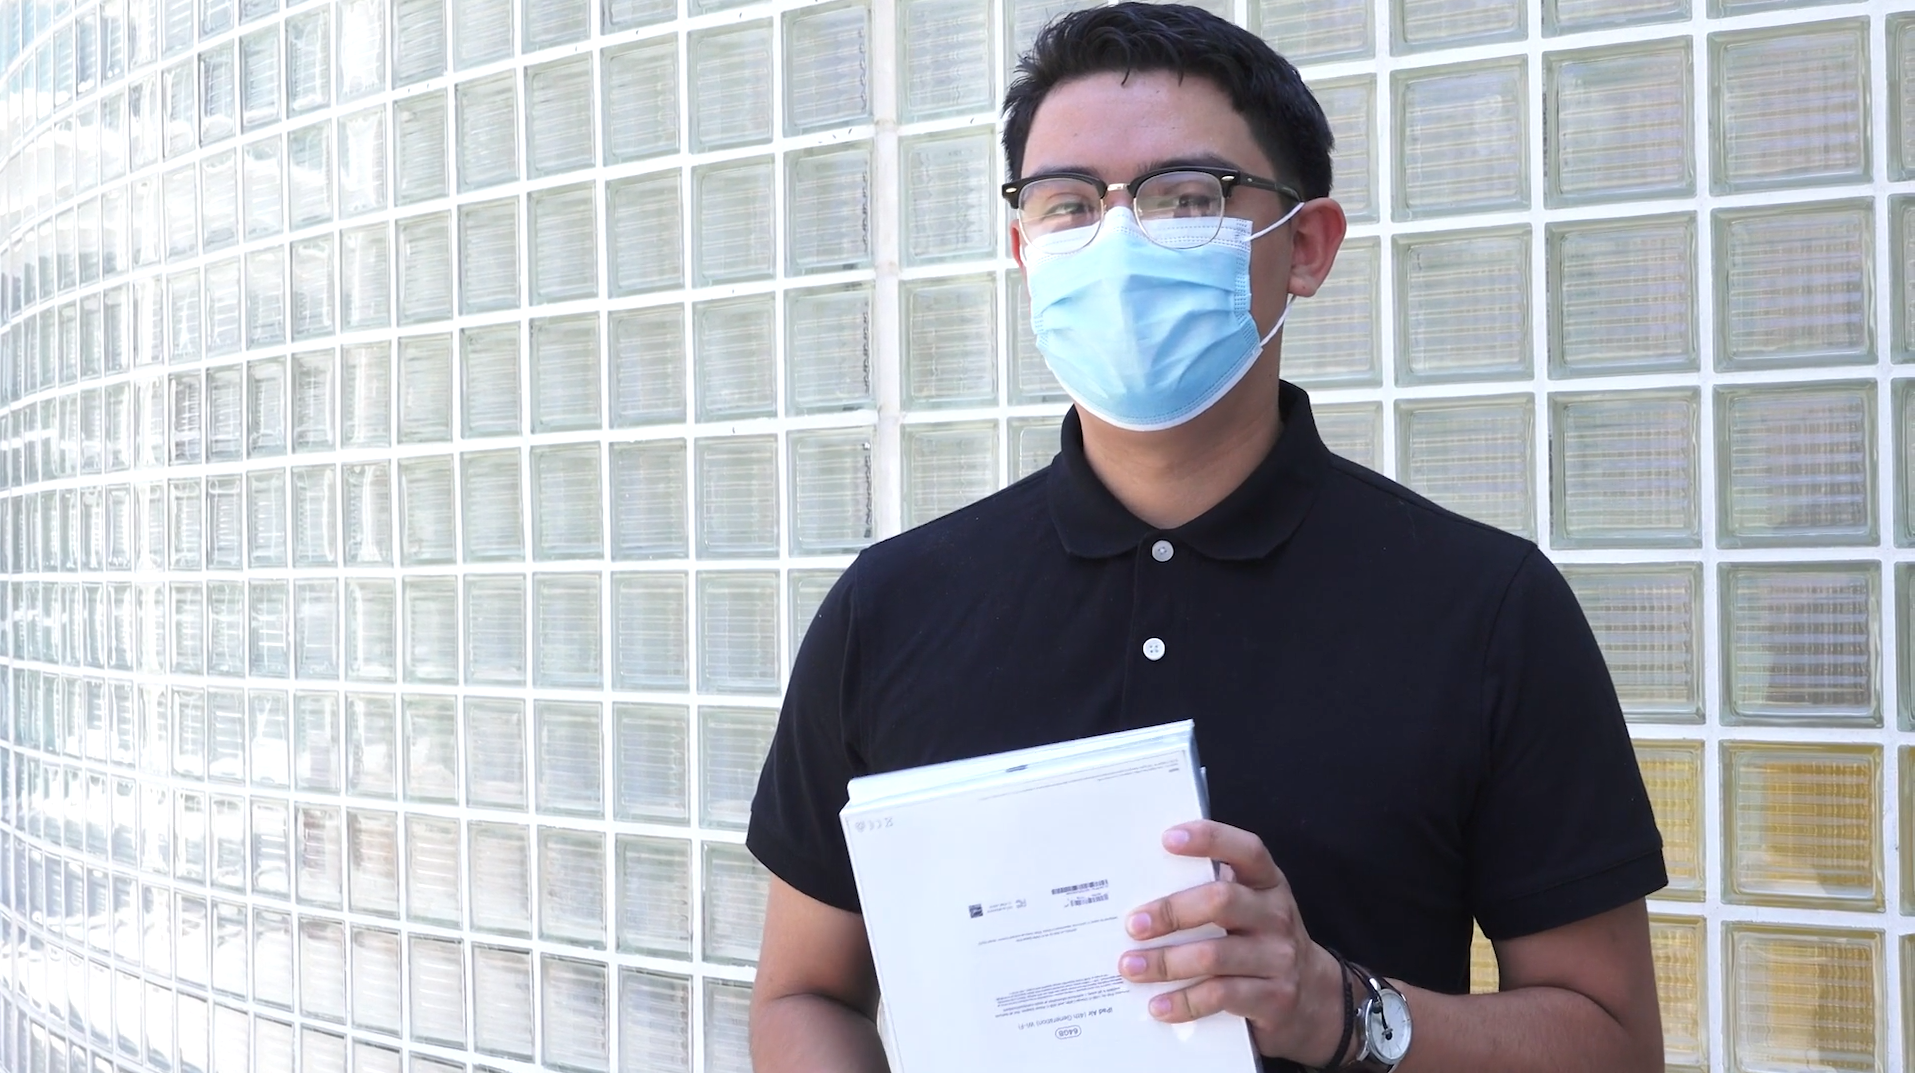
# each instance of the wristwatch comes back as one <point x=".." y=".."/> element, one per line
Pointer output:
<point x="1382" y="1025"/>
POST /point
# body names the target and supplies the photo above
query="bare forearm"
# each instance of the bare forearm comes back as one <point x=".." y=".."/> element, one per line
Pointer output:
<point x="1526" y="1030"/>
<point x="814" y="1034"/>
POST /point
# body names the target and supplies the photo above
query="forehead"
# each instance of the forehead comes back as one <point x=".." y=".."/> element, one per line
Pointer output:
<point x="1164" y="119"/>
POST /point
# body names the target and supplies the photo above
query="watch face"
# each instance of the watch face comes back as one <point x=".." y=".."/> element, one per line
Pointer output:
<point x="1388" y="1027"/>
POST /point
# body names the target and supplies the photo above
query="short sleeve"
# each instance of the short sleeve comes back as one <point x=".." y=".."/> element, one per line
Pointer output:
<point x="794" y="828"/>
<point x="1562" y="827"/>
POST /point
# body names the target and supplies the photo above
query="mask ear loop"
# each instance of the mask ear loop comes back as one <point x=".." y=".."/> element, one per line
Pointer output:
<point x="1288" y="299"/>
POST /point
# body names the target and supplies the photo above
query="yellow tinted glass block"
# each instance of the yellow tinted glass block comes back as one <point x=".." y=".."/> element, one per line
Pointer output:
<point x="1901" y="107"/>
<point x="1473" y="456"/>
<point x="1796" y="465"/>
<point x="1624" y="469"/>
<point x="1331" y="339"/>
<point x="1801" y="643"/>
<point x="1622" y="296"/>
<point x="1350" y="106"/>
<point x="1797" y="285"/>
<point x="1808" y="999"/>
<point x="1681" y="989"/>
<point x="1461" y="141"/>
<point x="1802" y="824"/>
<point x="1484" y="976"/>
<point x="1465" y="306"/>
<point x="1672" y="772"/>
<point x="1648" y="620"/>
<point x="1620" y="123"/>
<point x="1790" y="105"/>
<point x="1353" y="430"/>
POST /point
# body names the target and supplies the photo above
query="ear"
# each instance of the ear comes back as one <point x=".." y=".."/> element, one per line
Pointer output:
<point x="1317" y="230"/>
<point x="1017" y="245"/>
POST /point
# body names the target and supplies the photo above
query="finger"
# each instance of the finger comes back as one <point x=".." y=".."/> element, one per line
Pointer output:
<point x="1219" y="994"/>
<point x="1245" y="853"/>
<point x="1233" y="955"/>
<point x="1230" y="906"/>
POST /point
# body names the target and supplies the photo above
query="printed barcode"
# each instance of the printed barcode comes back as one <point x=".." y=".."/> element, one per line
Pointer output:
<point x="1087" y="899"/>
<point x="1094" y="884"/>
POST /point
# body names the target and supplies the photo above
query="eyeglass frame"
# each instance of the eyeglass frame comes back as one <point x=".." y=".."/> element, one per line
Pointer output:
<point x="1228" y="178"/>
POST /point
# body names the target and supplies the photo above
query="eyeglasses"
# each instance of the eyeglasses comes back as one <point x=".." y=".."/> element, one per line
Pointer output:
<point x="1179" y="207"/>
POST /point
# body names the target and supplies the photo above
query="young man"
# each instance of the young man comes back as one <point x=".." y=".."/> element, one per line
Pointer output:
<point x="1407" y="723"/>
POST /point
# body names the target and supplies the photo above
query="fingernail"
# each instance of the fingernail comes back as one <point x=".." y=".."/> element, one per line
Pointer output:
<point x="1139" y="924"/>
<point x="1131" y="964"/>
<point x="1160" y="1006"/>
<point x="1177" y="838"/>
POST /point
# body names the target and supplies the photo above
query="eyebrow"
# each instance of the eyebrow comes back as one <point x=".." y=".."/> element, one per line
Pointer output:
<point x="1206" y="160"/>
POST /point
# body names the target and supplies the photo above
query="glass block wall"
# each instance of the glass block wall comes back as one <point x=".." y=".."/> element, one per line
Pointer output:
<point x="429" y="425"/>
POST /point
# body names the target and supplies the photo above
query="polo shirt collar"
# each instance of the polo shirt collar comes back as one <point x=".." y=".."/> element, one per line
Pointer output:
<point x="1250" y="522"/>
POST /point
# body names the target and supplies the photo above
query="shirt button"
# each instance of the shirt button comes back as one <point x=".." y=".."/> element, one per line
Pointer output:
<point x="1154" y="649"/>
<point x="1162" y="551"/>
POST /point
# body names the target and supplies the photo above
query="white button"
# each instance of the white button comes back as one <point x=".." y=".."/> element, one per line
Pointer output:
<point x="1154" y="649"/>
<point x="1162" y="551"/>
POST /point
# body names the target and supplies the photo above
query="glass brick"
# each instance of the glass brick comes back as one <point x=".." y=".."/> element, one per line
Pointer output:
<point x="266" y="535"/>
<point x="828" y="349"/>
<point x="1462" y="143"/>
<point x="365" y="271"/>
<point x="1315" y="33"/>
<point x="1802" y="644"/>
<point x="431" y="612"/>
<point x="727" y="1026"/>
<point x="640" y="108"/>
<point x="372" y="745"/>
<point x="259" y="79"/>
<point x="567" y="506"/>
<point x="481" y="31"/>
<point x="437" y="977"/>
<point x="1681" y="989"/>
<point x="651" y="770"/>
<point x="735" y="357"/>
<point x="947" y="467"/>
<point x="1902" y="277"/>
<point x="826" y="65"/>
<point x="649" y="507"/>
<point x="1352" y="430"/>
<point x="312" y="288"/>
<point x="828" y="209"/>
<point x="426" y="512"/>
<point x="808" y="591"/>
<point x="1801" y="825"/>
<point x="576" y="1016"/>
<point x="735" y="887"/>
<point x="372" y="856"/>
<point x="366" y="515"/>
<point x="558" y="23"/>
<point x="432" y="883"/>
<point x="1621" y="123"/>
<point x="495" y="753"/>
<point x="649" y="640"/>
<point x="568" y="624"/>
<point x="1672" y="773"/>
<point x="950" y="342"/>
<point x="733" y="743"/>
<point x="308" y="61"/>
<point x="1350" y="106"/>
<point x="738" y="632"/>
<point x="732" y="222"/>
<point x="1648" y="620"/>
<point x="219" y="204"/>
<point x="502" y="1002"/>
<point x="1331" y="338"/>
<point x="738" y="497"/>
<point x="488" y="138"/>
<point x="1466" y="313"/>
<point x="1790" y="106"/>
<point x="730" y="85"/>
<point x="1796" y="465"/>
<point x="1797" y="285"/>
<point x="831" y="494"/>
<point x="654" y="896"/>
<point x="499" y="857"/>
<point x="495" y="630"/>
<point x="950" y="204"/>
<point x="489" y="371"/>
<point x="1417" y="25"/>
<point x="1031" y="376"/>
<point x="316" y="743"/>
<point x="571" y="896"/>
<point x="425" y="389"/>
<point x="944" y="59"/>
<point x="1474" y="456"/>
<point x="419" y="41"/>
<point x="654" y="1016"/>
<point x="1024" y="18"/>
<point x="362" y="48"/>
<point x="420" y="147"/>
<point x="558" y="105"/>
<point x="309" y="175"/>
<point x="371" y="645"/>
<point x="225" y="411"/>
<point x="563" y="229"/>
<point x="489" y="256"/>
<point x="316" y="629"/>
<point x="1626" y="469"/>
<point x="362" y="162"/>
<point x="644" y="224"/>
<point x="425" y="268"/>
<point x="431" y="747"/>
<point x="322" y="969"/>
<point x="1622" y="296"/>
<point x="1572" y="16"/>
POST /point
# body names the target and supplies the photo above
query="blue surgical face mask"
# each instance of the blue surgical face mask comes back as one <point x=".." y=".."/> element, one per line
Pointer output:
<point x="1142" y="335"/>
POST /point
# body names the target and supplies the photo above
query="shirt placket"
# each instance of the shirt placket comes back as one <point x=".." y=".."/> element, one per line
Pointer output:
<point x="1156" y="637"/>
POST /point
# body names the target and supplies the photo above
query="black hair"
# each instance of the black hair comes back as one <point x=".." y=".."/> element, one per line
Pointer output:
<point x="1135" y="38"/>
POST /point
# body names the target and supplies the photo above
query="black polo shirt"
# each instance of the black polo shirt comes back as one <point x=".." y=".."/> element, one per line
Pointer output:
<point x="1407" y="706"/>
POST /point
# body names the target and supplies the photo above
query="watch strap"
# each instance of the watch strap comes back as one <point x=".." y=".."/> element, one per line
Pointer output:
<point x="1349" y="1016"/>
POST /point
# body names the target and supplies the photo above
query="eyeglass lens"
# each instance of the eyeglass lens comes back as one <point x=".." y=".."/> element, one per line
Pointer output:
<point x="1179" y="209"/>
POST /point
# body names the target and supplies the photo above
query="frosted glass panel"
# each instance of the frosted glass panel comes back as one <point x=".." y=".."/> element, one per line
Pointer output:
<point x="1465" y="312"/>
<point x="1473" y="457"/>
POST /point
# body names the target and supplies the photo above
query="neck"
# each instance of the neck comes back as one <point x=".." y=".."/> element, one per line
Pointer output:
<point x="1169" y="477"/>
